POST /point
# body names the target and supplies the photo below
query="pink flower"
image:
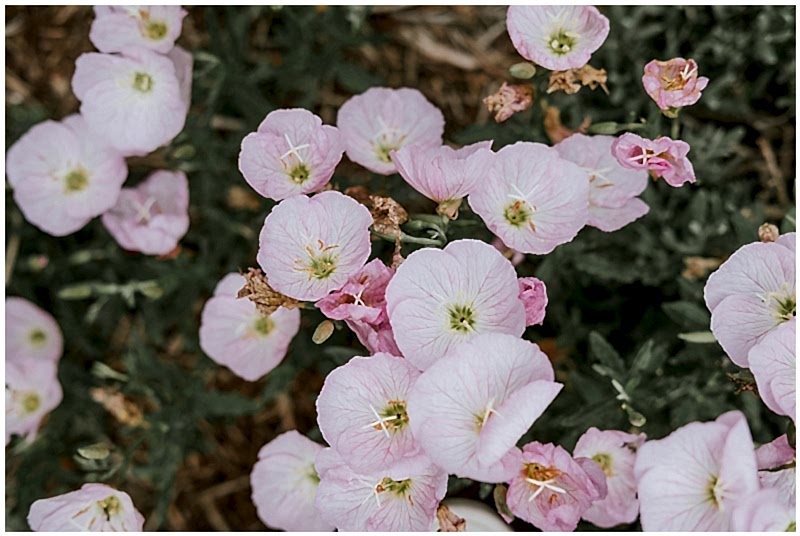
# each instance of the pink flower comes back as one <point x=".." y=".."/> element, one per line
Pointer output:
<point x="551" y="490"/>
<point x="690" y="480"/>
<point x="673" y="83"/>
<point x="63" y="176"/>
<point x="557" y="37"/>
<point x="234" y="334"/>
<point x="443" y="174"/>
<point x="375" y="337"/>
<point x="32" y="334"/>
<point x="361" y="411"/>
<point x="400" y="498"/>
<point x="774" y="365"/>
<point x="533" y="199"/>
<point x="32" y="391"/>
<point x="469" y="409"/>
<point x="615" y="453"/>
<point x="152" y="217"/>
<point x="440" y="298"/>
<point x="533" y="294"/>
<point x="752" y="293"/>
<point x="777" y="468"/>
<point x="93" y="508"/>
<point x="762" y="512"/>
<point x="382" y="120"/>
<point x="613" y="188"/>
<point x="184" y="64"/>
<point x="285" y="482"/>
<point x="362" y="298"/>
<point x="118" y="28"/>
<point x="311" y="246"/>
<point x="134" y="100"/>
<point x="291" y="153"/>
<point x="663" y="157"/>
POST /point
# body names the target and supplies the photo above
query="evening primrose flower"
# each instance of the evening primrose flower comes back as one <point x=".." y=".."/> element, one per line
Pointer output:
<point x="764" y="511"/>
<point x="362" y="298"/>
<point x="285" y="482"/>
<point x="774" y="365"/>
<point x="382" y="120"/>
<point x="557" y="37"/>
<point x="375" y="337"/>
<point x="291" y="153"/>
<point x="673" y="84"/>
<point x="117" y="28"/>
<point x="533" y="293"/>
<point x="32" y="391"/>
<point x="311" y="246"/>
<point x="31" y="333"/>
<point x="441" y="297"/>
<point x="93" y="508"/>
<point x="777" y="468"/>
<point x="662" y="157"/>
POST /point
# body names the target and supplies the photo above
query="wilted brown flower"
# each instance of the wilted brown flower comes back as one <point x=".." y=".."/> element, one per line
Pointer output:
<point x="571" y="80"/>
<point x="768" y="232"/>
<point x="122" y="409"/>
<point x="555" y="129"/>
<point x="257" y="290"/>
<point x="388" y="214"/>
<point x="448" y="521"/>
<point x="509" y="100"/>
<point x="697" y="267"/>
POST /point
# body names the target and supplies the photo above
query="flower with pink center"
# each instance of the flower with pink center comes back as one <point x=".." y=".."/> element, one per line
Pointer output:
<point x="690" y="480"/>
<point x="235" y="334"/>
<point x="63" y="176"/>
<point x="674" y="83"/>
<point x="469" y="409"/>
<point x="764" y="511"/>
<point x="118" y="28"/>
<point x="777" y="468"/>
<point x="533" y="293"/>
<point x="93" y="508"/>
<point x="533" y="199"/>
<point x="291" y="153"/>
<point x="310" y="246"/>
<point x="443" y="174"/>
<point x="613" y="191"/>
<point x="557" y="37"/>
<point x="31" y="333"/>
<point x="375" y="337"/>
<point x="662" y="157"/>
<point x="398" y="498"/>
<point x="32" y="391"/>
<point x="133" y="100"/>
<point x="774" y="366"/>
<point x="551" y="490"/>
<point x="361" y="411"/>
<point x="152" y="217"/>
<point x="362" y="298"/>
<point x="751" y="294"/>
<point x="615" y="453"/>
<point x="382" y="120"/>
<point x="285" y="482"/>
<point x="441" y="297"/>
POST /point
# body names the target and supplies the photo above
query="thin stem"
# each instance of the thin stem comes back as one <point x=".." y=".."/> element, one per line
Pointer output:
<point x="676" y="128"/>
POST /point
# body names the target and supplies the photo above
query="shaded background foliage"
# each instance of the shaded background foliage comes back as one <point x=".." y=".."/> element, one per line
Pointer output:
<point x="617" y="304"/>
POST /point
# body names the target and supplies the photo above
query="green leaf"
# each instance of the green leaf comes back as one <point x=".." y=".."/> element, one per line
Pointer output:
<point x="687" y="314"/>
<point x="601" y="350"/>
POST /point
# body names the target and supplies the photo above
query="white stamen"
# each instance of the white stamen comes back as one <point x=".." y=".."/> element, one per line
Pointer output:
<point x="686" y="73"/>
<point x="381" y="422"/>
<point x="358" y="300"/>
<point x="489" y="411"/>
<point x="644" y="157"/>
<point x="542" y="485"/>
<point x="143" y="210"/>
<point x="294" y="150"/>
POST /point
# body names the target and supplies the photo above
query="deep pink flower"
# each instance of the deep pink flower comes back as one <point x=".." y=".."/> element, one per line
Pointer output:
<point x="551" y="490"/>
<point x="375" y="337"/>
<point x="311" y="246"/>
<point x="32" y="391"/>
<point x="663" y="157"/>
<point x="613" y="188"/>
<point x="673" y="83"/>
<point x="764" y="511"/>
<point x="117" y="28"/>
<point x="382" y="120"/>
<point x="152" y="217"/>
<point x="533" y="293"/>
<point x="774" y="364"/>
<point x="533" y="199"/>
<point x="557" y="37"/>
<point x="291" y="153"/>
<point x="93" y="508"/>
<point x="285" y="482"/>
<point x="31" y="333"/>
<point x="362" y="298"/>
<point x="777" y="468"/>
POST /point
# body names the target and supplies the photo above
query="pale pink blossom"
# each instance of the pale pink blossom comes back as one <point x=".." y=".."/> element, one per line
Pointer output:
<point x="375" y="337"/>
<point x="235" y="334"/>
<point x="291" y="153"/>
<point x="551" y="490"/>
<point x="63" y="176"/>
<point x="673" y="83"/>
<point x="440" y="298"/>
<point x="613" y="201"/>
<point x="382" y="120"/>
<point x="557" y="37"/>
<point x="285" y="482"/>
<point x="751" y="294"/>
<point x="443" y="174"/>
<point x="690" y="480"/>
<point x="533" y="199"/>
<point x="400" y="498"/>
<point x="469" y="409"/>
<point x="533" y="293"/>
<point x="764" y="511"/>
<point x="152" y="217"/>
<point x="615" y="453"/>
<point x="93" y="508"/>
<point x="777" y="468"/>
<point x="311" y="246"/>
<point x="184" y="65"/>
<point x="362" y="298"/>
<point x="118" y="28"/>
<point x="662" y="157"/>
<point x="32" y="391"/>
<point x="31" y="333"/>
<point x="774" y="365"/>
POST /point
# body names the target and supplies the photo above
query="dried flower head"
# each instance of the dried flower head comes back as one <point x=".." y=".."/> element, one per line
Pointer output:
<point x="508" y="100"/>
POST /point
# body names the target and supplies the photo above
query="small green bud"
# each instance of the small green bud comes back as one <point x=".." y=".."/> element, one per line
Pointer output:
<point x="523" y="70"/>
<point x="323" y="332"/>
